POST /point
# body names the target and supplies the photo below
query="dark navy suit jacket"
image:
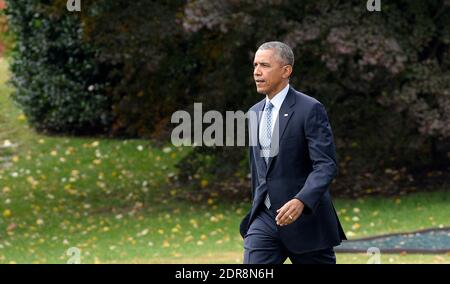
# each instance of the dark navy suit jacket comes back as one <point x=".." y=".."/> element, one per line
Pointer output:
<point x="303" y="168"/>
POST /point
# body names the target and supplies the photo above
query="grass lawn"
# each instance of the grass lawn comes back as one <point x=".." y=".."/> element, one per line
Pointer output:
<point x="110" y="199"/>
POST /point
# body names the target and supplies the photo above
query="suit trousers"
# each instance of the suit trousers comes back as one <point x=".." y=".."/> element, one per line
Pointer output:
<point x="262" y="244"/>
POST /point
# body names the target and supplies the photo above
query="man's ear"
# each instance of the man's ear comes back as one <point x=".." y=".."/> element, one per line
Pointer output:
<point x="287" y="71"/>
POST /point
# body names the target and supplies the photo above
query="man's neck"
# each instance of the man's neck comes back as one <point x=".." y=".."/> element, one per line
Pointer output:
<point x="271" y="96"/>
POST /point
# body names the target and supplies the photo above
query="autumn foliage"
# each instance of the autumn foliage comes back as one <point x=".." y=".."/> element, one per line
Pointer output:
<point x="384" y="77"/>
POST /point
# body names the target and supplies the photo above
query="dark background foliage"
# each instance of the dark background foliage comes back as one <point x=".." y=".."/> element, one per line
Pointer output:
<point x="59" y="84"/>
<point x="123" y="67"/>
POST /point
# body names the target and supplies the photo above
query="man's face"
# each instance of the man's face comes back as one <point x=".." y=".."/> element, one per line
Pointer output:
<point x="269" y="73"/>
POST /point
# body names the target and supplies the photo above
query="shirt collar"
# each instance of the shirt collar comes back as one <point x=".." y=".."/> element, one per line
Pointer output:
<point x="278" y="99"/>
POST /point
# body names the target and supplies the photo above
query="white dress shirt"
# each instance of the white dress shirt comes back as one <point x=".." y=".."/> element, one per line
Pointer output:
<point x="277" y="101"/>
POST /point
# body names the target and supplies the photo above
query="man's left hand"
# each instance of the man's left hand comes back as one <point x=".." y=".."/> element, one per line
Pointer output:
<point x="289" y="212"/>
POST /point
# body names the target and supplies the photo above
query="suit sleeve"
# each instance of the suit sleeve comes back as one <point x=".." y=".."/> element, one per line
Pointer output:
<point x="243" y="227"/>
<point x="322" y="152"/>
<point x="253" y="173"/>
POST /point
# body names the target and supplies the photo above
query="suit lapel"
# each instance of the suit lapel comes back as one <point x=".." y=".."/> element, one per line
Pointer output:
<point x="284" y="115"/>
<point x="259" y="160"/>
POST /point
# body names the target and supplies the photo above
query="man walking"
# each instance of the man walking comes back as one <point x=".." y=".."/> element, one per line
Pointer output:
<point x="292" y="166"/>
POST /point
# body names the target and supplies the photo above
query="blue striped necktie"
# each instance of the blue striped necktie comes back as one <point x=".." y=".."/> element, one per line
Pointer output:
<point x="265" y="140"/>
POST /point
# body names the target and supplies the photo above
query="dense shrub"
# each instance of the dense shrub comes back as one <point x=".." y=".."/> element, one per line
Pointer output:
<point x="383" y="77"/>
<point x="126" y="66"/>
<point x="58" y="84"/>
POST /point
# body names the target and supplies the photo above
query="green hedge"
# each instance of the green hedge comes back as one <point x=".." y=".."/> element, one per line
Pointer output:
<point x="58" y="84"/>
<point x="125" y="66"/>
